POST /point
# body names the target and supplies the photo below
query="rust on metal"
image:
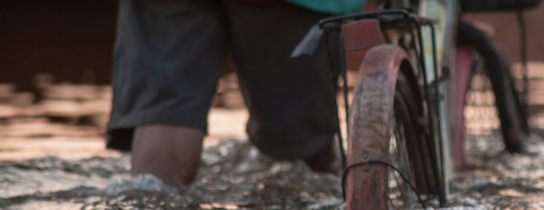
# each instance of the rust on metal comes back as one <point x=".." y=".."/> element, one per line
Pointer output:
<point x="362" y="34"/>
<point x="463" y="69"/>
<point x="370" y="118"/>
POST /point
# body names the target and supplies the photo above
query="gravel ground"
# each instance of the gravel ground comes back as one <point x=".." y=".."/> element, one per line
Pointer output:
<point x="234" y="175"/>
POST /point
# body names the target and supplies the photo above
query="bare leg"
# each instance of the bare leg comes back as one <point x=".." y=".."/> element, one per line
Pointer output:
<point x="171" y="153"/>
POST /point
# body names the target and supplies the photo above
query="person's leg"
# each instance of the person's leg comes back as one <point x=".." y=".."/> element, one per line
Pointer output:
<point x="167" y="59"/>
<point x="172" y="153"/>
<point x="323" y="160"/>
<point x="291" y="100"/>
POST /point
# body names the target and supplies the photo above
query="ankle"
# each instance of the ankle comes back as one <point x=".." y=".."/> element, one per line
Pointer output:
<point x="322" y="161"/>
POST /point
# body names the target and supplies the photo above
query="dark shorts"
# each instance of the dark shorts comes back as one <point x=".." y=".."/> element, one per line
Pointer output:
<point x="169" y="54"/>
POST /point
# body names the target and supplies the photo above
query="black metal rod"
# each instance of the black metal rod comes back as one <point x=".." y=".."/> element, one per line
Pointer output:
<point x="439" y="123"/>
<point x="345" y="89"/>
<point x="375" y="14"/>
<point x="335" y="83"/>
<point x="523" y="54"/>
<point x="364" y="15"/>
<point x="419" y="72"/>
<point x="343" y="71"/>
<point x="429" y="110"/>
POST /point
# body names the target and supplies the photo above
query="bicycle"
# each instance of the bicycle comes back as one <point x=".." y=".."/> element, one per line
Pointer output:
<point x="489" y="64"/>
<point x="405" y="100"/>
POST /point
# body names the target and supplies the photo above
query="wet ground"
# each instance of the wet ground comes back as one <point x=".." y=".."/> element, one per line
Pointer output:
<point x="234" y="175"/>
<point x="50" y="164"/>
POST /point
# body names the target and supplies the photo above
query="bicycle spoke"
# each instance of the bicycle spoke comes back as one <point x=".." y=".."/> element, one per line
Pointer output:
<point x="399" y="157"/>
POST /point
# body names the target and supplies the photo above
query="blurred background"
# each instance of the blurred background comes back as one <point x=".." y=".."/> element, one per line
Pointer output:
<point x="55" y="65"/>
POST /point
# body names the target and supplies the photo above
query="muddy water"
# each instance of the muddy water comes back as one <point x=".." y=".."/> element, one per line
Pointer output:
<point x="500" y="180"/>
<point x="234" y="175"/>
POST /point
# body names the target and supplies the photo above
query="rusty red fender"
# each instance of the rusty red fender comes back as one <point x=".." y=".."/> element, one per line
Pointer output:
<point x="362" y="34"/>
<point x="370" y="116"/>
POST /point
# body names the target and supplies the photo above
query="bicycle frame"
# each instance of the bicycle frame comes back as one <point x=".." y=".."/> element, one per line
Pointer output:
<point x="425" y="38"/>
<point x="434" y="54"/>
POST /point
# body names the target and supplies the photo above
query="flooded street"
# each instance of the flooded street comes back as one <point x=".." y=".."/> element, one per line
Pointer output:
<point x="51" y="159"/>
<point x="234" y="175"/>
<point x="55" y="100"/>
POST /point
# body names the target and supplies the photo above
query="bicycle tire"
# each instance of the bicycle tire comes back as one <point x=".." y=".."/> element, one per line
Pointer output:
<point x="374" y="116"/>
<point x="416" y="150"/>
<point x="514" y="124"/>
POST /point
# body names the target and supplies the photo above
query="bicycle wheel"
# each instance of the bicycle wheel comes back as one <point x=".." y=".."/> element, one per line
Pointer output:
<point x="513" y="123"/>
<point x="407" y="150"/>
<point x="384" y="124"/>
<point x="482" y="124"/>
